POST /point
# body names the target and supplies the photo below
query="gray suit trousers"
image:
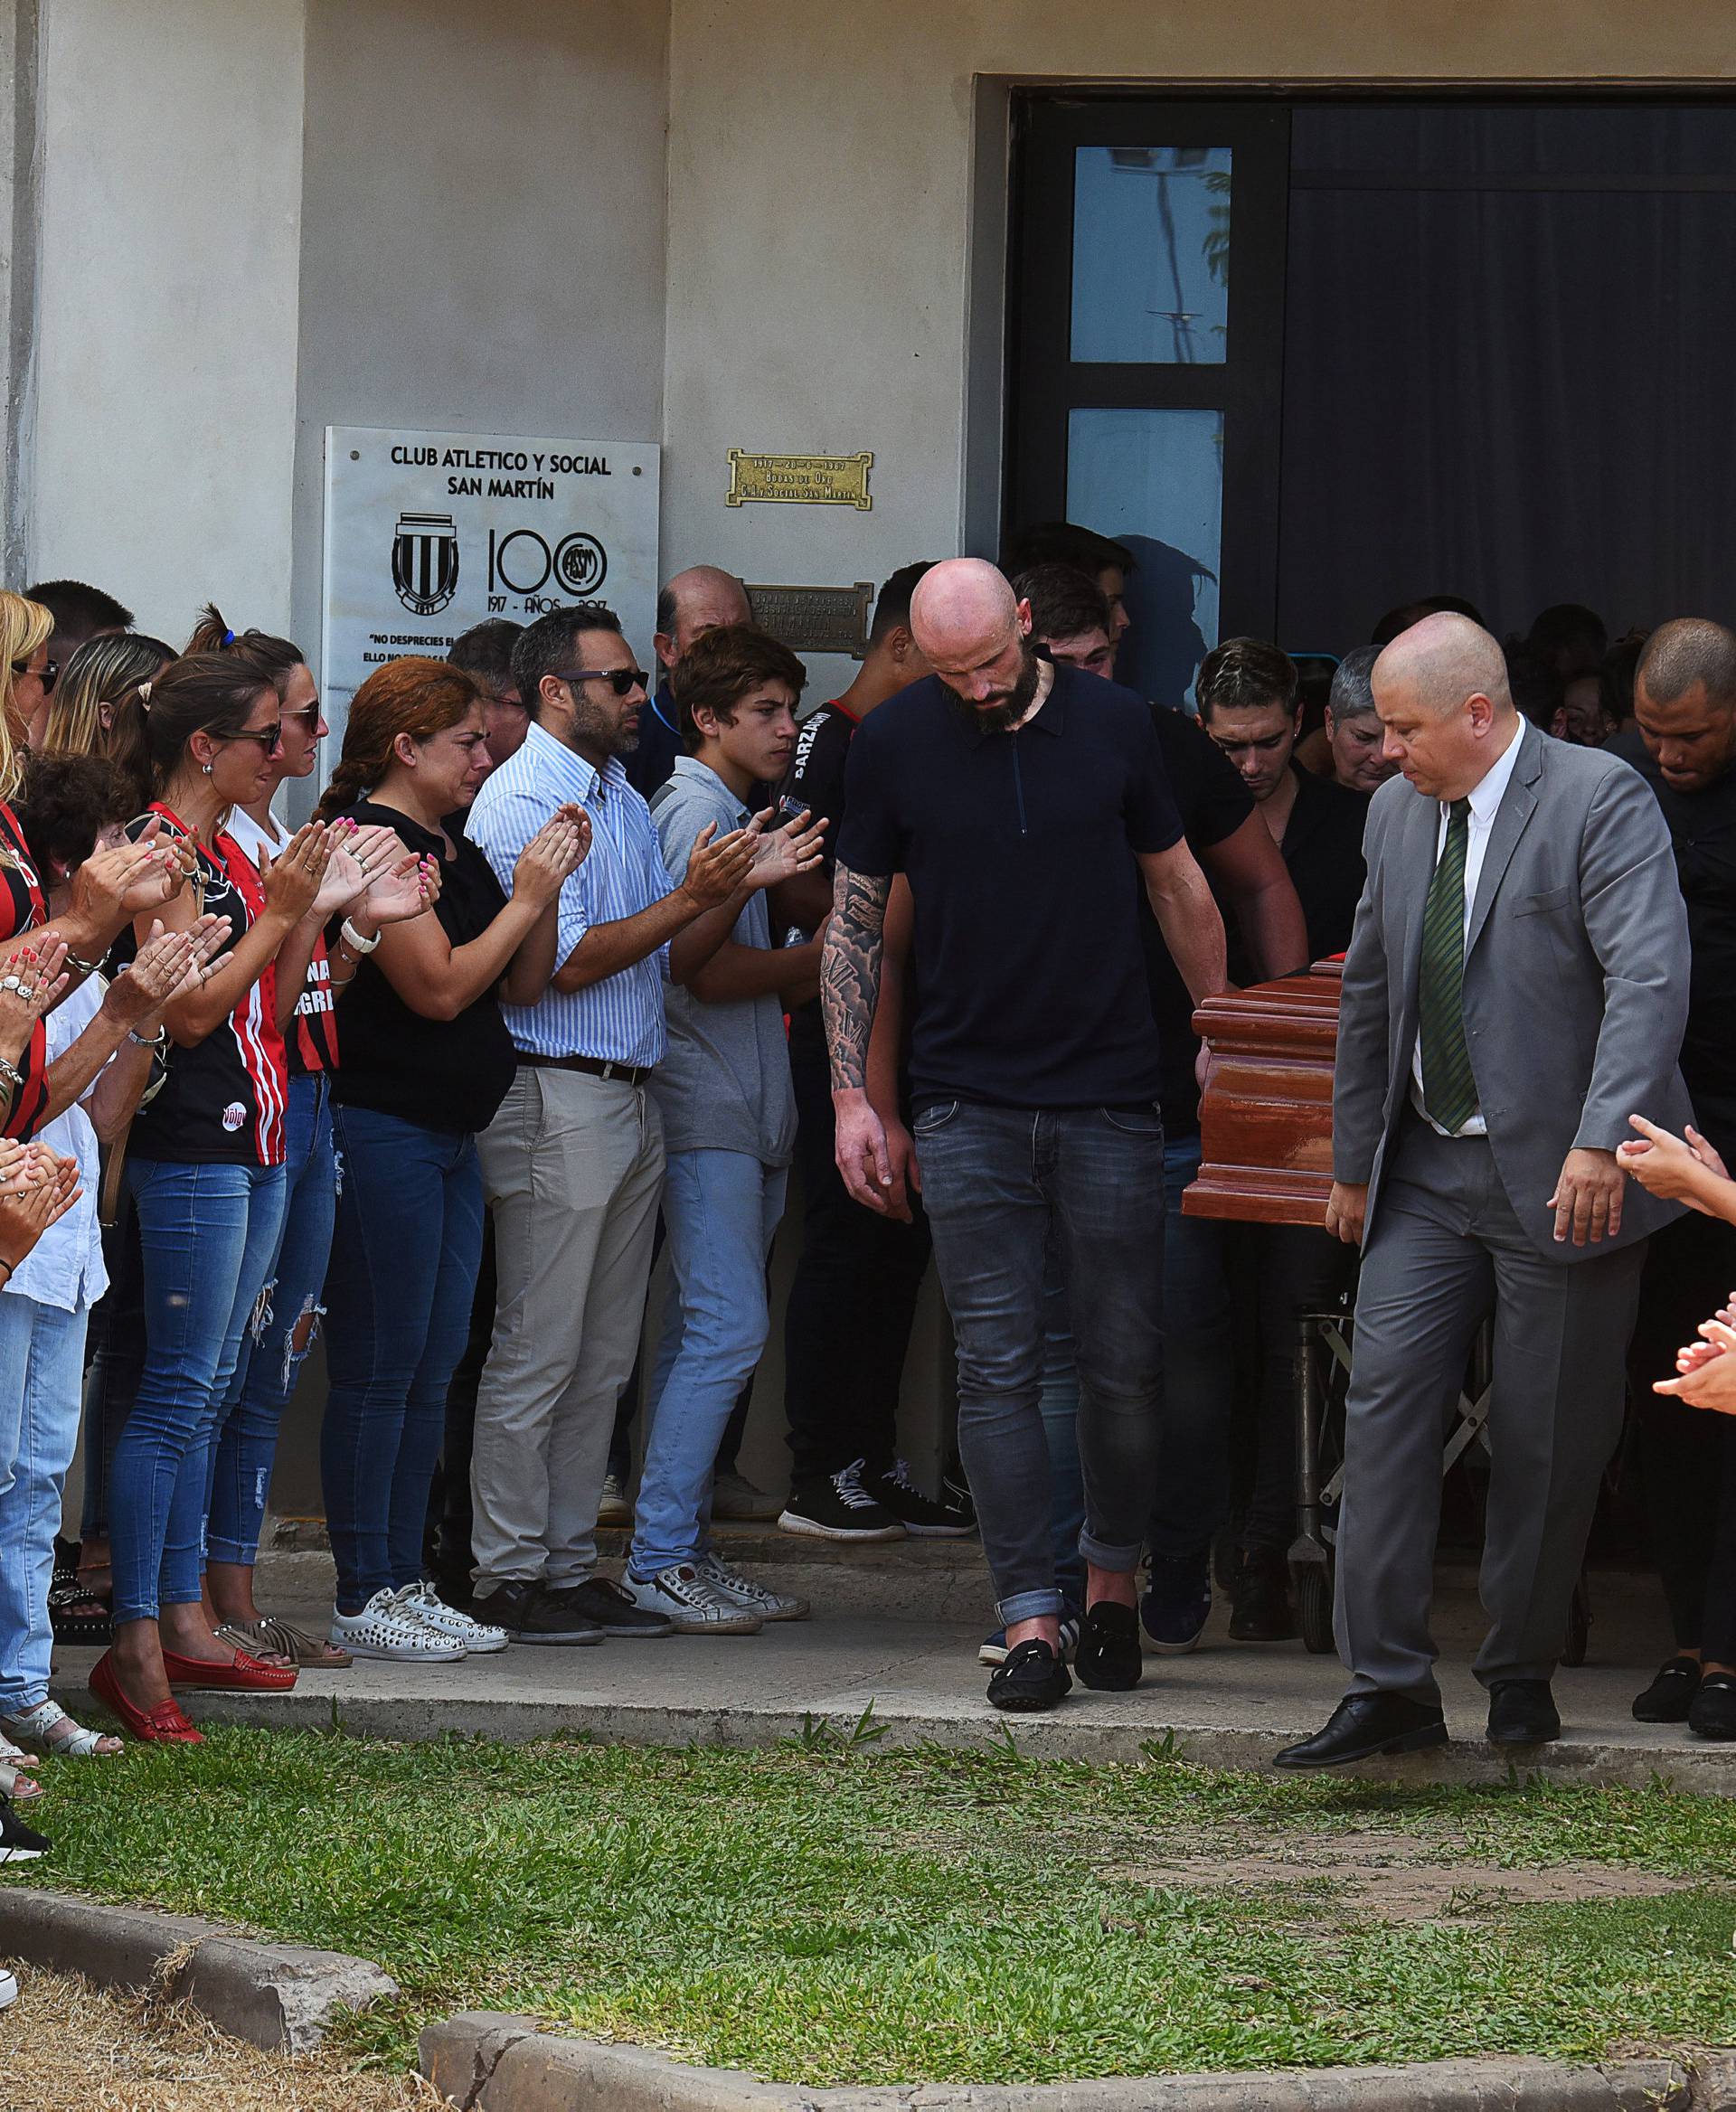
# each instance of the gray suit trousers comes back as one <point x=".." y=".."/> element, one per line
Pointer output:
<point x="1446" y="1253"/>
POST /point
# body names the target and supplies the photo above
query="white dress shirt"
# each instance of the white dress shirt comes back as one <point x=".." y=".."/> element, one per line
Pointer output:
<point x="1486" y="800"/>
<point x="64" y="1268"/>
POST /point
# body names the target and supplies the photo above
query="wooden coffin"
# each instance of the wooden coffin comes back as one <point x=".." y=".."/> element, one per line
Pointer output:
<point x="1266" y="1113"/>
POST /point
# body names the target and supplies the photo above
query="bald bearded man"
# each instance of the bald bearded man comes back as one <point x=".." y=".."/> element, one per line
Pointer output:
<point x="1516" y="986"/>
<point x="1024" y="801"/>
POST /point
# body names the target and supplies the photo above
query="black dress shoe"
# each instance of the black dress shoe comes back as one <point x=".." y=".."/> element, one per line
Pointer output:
<point x="1522" y="1711"/>
<point x="1364" y="1725"/>
<point x="1714" y="1711"/>
<point x="1108" y="1653"/>
<point x="1671" y="1695"/>
<point x="1029" y="1679"/>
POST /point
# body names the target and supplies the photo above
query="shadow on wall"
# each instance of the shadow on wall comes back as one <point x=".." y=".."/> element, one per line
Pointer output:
<point x="1164" y="645"/>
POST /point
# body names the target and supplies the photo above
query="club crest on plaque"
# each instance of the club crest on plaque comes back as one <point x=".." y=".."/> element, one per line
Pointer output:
<point x="425" y="561"/>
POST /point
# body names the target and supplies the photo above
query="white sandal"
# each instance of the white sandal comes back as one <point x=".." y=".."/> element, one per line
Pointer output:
<point x="57" y="1732"/>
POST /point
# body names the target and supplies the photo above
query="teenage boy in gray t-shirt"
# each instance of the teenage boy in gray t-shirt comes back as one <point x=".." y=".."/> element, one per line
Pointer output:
<point x="728" y="1118"/>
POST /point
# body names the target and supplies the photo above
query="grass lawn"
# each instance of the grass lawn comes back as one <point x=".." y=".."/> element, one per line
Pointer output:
<point x="823" y="1913"/>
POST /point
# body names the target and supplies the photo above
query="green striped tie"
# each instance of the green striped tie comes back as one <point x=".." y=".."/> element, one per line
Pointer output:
<point x="1448" y="1088"/>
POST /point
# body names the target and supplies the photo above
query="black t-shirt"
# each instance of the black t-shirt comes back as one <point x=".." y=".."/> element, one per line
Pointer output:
<point x="816" y="778"/>
<point x="652" y="763"/>
<point x="442" y="1074"/>
<point x="1323" y="848"/>
<point x="1213" y="802"/>
<point x="1702" y="828"/>
<point x="224" y="1100"/>
<point x="1030" y="974"/>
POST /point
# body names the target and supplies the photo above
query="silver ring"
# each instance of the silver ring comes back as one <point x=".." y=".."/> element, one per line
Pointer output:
<point x="11" y="983"/>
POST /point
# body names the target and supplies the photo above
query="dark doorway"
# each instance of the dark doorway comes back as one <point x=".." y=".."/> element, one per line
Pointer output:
<point x="1313" y="360"/>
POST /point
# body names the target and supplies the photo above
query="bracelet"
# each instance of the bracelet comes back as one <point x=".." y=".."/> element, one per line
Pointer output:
<point x="354" y="939"/>
<point x="7" y="1267"/>
<point x="82" y="967"/>
<point x="155" y="1042"/>
<point x="14" y="1077"/>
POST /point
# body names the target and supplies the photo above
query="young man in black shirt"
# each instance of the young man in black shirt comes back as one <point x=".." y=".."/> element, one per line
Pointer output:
<point x="853" y="1300"/>
<point x="1685" y="747"/>
<point x="1013" y="795"/>
<point x="1247" y="691"/>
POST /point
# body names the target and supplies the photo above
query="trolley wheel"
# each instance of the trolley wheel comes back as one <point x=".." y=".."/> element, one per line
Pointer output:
<point x="1314" y="1606"/>
<point x="1578" y="1624"/>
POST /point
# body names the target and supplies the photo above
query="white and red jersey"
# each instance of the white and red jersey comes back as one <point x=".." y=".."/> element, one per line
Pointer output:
<point x="224" y="1098"/>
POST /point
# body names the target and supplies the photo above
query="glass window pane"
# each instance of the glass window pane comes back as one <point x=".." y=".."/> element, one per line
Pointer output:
<point x="1151" y="254"/>
<point x="1154" y="480"/>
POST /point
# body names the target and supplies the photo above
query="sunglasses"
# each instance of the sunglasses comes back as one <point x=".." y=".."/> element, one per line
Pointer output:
<point x="620" y="679"/>
<point x="49" y="675"/>
<point x="267" y="737"/>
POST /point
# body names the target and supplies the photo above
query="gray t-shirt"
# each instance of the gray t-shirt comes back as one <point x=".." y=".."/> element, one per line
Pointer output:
<point x="724" y="1084"/>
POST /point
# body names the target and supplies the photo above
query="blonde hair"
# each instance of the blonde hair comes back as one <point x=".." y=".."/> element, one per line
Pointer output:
<point x="107" y="669"/>
<point x="24" y="627"/>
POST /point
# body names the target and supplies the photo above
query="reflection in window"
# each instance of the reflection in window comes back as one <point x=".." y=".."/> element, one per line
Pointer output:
<point x="1151" y="254"/>
<point x="1154" y="480"/>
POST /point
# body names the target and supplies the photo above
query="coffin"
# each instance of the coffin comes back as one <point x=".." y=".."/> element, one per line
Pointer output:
<point x="1266" y="1112"/>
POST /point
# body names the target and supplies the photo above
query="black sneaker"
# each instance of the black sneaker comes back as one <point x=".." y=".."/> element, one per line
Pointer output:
<point x="840" y="1508"/>
<point x="1108" y="1656"/>
<point x="1260" y="1600"/>
<point x="1029" y="1679"/>
<point x="607" y="1606"/>
<point x="523" y="1609"/>
<point x="923" y="1517"/>
<point x="18" y="1842"/>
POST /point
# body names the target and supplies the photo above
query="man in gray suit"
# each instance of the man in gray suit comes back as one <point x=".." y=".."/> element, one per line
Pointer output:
<point x="1516" y="986"/>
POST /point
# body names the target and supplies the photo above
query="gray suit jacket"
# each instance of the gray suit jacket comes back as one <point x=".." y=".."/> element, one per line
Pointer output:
<point x="1576" y="980"/>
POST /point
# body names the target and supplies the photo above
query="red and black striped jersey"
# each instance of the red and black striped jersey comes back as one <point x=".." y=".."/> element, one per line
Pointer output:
<point x="224" y="1098"/>
<point x="23" y="906"/>
<point x="313" y="1039"/>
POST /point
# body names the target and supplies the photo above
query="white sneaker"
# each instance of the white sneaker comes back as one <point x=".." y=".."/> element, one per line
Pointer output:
<point x="689" y="1599"/>
<point x="386" y="1627"/>
<point x="479" y="1639"/>
<point x="770" y="1605"/>
<point x="8" y="1988"/>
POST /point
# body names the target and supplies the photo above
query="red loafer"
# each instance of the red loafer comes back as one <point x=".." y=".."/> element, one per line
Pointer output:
<point x="162" y="1725"/>
<point x="243" y="1674"/>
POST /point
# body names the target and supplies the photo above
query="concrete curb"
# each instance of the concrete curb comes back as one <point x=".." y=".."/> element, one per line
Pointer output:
<point x="271" y="1995"/>
<point x="487" y="2062"/>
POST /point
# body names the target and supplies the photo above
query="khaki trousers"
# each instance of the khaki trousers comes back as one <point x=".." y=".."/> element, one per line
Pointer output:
<point x="572" y="1170"/>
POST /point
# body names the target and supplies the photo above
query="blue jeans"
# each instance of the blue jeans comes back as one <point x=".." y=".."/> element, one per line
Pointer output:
<point x="405" y="1253"/>
<point x="999" y="1185"/>
<point x="1191" y="1499"/>
<point x="207" y="1234"/>
<point x="265" y="1372"/>
<point x="41" y="1364"/>
<point x="720" y="1209"/>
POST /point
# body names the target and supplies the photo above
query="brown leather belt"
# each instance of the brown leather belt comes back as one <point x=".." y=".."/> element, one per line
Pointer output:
<point x="592" y="1067"/>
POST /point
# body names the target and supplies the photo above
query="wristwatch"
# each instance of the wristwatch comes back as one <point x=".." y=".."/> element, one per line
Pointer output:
<point x="354" y="939"/>
<point x="155" y="1042"/>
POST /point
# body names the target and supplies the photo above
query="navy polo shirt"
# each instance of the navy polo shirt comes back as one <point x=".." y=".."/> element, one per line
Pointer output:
<point x="1029" y="974"/>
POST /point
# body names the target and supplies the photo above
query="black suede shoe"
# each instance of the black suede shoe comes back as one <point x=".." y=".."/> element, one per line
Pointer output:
<point x="598" y="1603"/>
<point x="1107" y="1653"/>
<point x="1260" y="1600"/>
<point x="1522" y="1711"/>
<point x="1713" y="1713"/>
<point x="1029" y="1679"/>
<point x="1671" y="1693"/>
<point x="1364" y="1725"/>
<point x="528" y="1616"/>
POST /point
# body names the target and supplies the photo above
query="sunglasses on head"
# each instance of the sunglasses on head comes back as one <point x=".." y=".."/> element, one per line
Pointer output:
<point x="48" y="674"/>
<point x="620" y="679"/>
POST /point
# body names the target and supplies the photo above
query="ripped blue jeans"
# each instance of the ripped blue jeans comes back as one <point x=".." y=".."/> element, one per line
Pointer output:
<point x="271" y="1354"/>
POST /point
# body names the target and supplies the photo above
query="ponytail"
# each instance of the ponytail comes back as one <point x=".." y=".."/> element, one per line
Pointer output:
<point x="275" y="658"/>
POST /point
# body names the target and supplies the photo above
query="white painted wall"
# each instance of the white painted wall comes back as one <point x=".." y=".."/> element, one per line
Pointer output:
<point x="165" y="356"/>
<point x="822" y="199"/>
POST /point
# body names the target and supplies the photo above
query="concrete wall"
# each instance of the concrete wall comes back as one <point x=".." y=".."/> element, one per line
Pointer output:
<point x="827" y="167"/>
<point x="170" y="144"/>
<point x="482" y="229"/>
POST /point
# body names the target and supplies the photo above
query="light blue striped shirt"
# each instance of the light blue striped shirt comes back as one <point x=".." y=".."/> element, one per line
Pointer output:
<point x="620" y="1019"/>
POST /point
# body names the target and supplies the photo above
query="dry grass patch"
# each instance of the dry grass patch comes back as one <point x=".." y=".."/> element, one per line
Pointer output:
<point x="64" y="2044"/>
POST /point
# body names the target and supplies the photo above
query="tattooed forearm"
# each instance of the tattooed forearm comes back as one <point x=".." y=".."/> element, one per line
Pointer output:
<point x="850" y="971"/>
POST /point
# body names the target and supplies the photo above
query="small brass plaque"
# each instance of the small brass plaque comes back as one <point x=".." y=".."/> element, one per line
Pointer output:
<point x="815" y="619"/>
<point x="802" y="480"/>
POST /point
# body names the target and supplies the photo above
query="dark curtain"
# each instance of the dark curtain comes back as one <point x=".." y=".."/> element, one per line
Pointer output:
<point x="1523" y="395"/>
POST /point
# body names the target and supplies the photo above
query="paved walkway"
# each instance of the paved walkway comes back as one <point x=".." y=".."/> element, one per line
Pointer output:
<point x="887" y="1632"/>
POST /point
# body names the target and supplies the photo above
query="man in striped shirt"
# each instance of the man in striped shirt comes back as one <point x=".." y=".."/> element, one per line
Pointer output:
<point x="573" y="1162"/>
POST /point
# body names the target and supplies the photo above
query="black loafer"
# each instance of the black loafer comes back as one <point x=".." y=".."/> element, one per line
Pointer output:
<point x="1713" y="1710"/>
<point x="1029" y="1679"/>
<point x="1364" y="1725"/>
<point x="1522" y="1711"/>
<point x="1108" y="1655"/>
<point x="1671" y="1695"/>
